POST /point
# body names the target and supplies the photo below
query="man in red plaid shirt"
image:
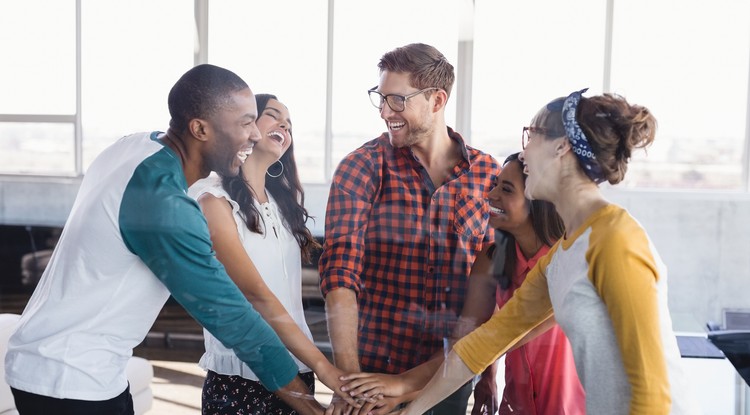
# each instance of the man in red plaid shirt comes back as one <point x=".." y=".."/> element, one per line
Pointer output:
<point x="405" y="222"/>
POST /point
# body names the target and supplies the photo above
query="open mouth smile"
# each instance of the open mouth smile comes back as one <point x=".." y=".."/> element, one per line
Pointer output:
<point x="277" y="136"/>
<point x="242" y="154"/>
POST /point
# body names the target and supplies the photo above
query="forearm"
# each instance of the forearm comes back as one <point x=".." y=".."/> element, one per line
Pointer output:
<point x="537" y="331"/>
<point x="417" y="377"/>
<point x="450" y="376"/>
<point x="271" y="309"/>
<point x="298" y="397"/>
<point x="342" y="313"/>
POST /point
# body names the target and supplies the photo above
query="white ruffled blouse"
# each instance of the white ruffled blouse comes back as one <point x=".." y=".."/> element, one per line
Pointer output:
<point x="276" y="254"/>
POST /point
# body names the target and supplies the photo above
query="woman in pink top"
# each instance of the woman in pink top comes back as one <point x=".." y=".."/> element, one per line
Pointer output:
<point x="540" y="376"/>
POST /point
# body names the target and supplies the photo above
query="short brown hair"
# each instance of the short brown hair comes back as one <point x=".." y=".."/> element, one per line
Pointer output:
<point x="426" y="66"/>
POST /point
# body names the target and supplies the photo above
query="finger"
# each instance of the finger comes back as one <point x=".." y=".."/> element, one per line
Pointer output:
<point x="366" y="391"/>
<point x="382" y="409"/>
<point x="366" y="408"/>
<point x="355" y="383"/>
<point x="348" y="398"/>
<point x="356" y="375"/>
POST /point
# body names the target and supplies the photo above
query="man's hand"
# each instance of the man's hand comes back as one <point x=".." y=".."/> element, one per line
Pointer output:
<point x="485" y="393"/>
<point x="339" y="407"/>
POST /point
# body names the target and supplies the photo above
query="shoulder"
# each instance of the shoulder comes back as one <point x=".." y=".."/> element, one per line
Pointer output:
<point x="481" y="161"/>
<point x="479" y="156"/>
<point x="364" y="160"/>
<point x="211" y="185"/>
<point x="616" y="237"/>
<point x="612" y="224"/>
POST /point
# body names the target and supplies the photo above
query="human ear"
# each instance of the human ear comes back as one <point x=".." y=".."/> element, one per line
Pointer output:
<point x="562" y="146"/>
<point x="441" y="98"/>
<point x="199" y="129"/>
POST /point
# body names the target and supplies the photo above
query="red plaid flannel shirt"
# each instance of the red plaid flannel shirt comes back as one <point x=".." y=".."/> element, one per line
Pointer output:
<point x="405" y="247"/>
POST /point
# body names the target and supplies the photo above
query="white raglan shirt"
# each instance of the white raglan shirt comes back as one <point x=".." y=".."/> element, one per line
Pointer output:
<point x="608" y="288"/>
<point x="133" y="237"/>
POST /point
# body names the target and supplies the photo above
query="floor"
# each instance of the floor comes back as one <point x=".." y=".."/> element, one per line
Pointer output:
<point x="177" y="388"/>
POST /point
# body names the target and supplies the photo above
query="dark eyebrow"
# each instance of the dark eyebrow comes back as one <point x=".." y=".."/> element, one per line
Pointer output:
<point x="508" y="182"/>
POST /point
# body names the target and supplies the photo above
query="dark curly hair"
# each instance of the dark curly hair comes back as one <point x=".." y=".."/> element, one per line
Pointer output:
<point x="547" y="224"/>
<point x="285" y="189"/>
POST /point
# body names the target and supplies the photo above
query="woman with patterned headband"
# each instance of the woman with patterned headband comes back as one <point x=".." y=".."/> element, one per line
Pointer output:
<point x="603" y="280"/>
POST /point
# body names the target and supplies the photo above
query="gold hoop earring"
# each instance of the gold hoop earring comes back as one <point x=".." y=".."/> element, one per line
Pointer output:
<point x="281" y="170"/>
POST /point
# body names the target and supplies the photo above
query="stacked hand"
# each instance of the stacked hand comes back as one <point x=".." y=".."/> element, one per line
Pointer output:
<point x="374" y="394"/>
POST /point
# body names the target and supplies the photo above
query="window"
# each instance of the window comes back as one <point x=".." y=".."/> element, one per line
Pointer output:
<point x="363" y="32"/>
<point x="280" y="53"/>
<point x="524" y="58"/>
<point x="132" y="54"/>
<point x="37" y="148"/>
<point x="38" y="85"/>
<point x="693" y="77"/>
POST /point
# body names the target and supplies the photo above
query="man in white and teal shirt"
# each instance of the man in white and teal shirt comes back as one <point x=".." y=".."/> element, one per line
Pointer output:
<point x="134" y="237"/>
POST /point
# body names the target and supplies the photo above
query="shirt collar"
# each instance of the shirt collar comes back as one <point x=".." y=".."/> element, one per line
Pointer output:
<point x="406" y="151"/>
<point x="526" y="264"/>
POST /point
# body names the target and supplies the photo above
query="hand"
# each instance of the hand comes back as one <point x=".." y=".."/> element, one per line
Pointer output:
<point x="366" y="385"/>
<point x="338" y="407"/>
<point x="380" y="406"/>
<point x="331" y="377"/>
<point x="485" y="393"/>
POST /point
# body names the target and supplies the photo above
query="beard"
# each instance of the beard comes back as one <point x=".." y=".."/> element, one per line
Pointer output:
<point x="418" y="132"/>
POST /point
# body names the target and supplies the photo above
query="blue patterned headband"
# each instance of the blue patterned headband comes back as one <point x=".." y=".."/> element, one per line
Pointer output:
<point x="578" y="140"/>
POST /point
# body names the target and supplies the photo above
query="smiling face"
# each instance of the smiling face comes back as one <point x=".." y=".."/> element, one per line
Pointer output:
<point x="275" y="128"/>
<point x="509" y="209"/>
<point x="542" y="156"/>
<point x="415" y="122"/>
<point x="234" y="134"/>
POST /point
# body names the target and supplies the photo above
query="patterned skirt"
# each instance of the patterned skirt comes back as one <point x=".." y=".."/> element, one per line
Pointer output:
<point x="235" y="395"/>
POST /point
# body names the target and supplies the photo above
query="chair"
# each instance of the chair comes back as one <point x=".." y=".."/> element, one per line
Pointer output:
<point x="139" y="371"/>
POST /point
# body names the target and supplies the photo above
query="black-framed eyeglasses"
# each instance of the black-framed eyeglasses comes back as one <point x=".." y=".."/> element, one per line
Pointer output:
<point x="525" y="138"/>
<point x="396" y="102"/>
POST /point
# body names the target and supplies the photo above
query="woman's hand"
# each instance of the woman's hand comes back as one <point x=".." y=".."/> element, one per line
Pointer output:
<point x="331" y="376"/>
<point x="368" y="385"/>
<point x="380" y="406"/>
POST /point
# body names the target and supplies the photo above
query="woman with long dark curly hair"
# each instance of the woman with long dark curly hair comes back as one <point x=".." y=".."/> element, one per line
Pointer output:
<point x="257" y="224"/>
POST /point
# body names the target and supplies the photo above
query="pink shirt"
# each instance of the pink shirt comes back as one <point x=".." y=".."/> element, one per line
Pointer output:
<point x="540" y="376"/>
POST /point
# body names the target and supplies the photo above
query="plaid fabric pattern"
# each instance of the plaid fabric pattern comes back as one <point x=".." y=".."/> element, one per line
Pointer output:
<point x="405" y="247"/>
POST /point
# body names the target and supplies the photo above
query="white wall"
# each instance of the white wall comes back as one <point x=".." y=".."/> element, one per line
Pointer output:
<point x="704" y="238"/>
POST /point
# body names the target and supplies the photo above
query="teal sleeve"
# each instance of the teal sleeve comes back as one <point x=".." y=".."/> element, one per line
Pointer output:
<point x="167" y="230"/>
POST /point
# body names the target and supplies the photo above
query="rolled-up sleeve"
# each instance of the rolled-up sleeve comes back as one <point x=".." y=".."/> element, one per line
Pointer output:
<point x="349" y="204"/>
